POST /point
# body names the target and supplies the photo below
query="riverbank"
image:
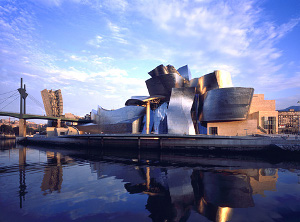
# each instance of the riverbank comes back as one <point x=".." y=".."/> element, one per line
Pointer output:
<point x="7" y="136"/>
<point x="171" y="142"/>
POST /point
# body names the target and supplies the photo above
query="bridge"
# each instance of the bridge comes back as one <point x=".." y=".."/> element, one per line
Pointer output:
<point x="33" y="116"/>
<point x="23" y="116"/>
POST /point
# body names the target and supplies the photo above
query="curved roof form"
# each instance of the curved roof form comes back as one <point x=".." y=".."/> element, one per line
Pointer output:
<point x="140" y="100"/>
<point x="215" y="80"/>
<point x="122" y="115"/>
<point x="162" y="85"/>
<point x="227" y="104"/>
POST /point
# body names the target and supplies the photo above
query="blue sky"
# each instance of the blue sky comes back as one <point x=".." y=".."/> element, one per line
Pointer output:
<point x="100" y="52"/>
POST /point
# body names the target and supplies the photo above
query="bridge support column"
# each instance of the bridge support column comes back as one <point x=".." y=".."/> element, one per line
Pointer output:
<point x="58" y="123"/>
<point x="148" y="118"/>
<point x="22" y="127"/>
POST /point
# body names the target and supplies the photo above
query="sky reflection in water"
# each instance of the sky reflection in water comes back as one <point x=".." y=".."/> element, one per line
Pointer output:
<point x="62" y="185"/>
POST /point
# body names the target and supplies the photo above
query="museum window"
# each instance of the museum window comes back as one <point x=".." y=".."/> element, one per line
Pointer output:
<point x="213" y="130"/>
<point x="269" y="123"/>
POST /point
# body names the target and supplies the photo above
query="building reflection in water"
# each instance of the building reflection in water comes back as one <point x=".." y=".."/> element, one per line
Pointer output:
<point x="173" y="193"/>
<point x="22" y="175"/>
<point x="7" y="144"/>
<point x="53" y="173"/>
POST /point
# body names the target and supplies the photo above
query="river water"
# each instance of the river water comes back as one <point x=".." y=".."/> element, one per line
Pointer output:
<point x="51" y="184"/>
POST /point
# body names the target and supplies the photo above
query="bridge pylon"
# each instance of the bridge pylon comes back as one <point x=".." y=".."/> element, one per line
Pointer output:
<point x="22" y="121"/>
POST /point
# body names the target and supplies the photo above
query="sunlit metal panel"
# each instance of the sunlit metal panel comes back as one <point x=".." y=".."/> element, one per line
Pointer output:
<point x="223" y="78"/>
<point x="179" y="111"/>
<point x="162" y="85"/>
<point x="123" y="120"/>
<point x="227" y="104"/>
<point x="185" y="72"/>
<point x="159" y="119"/>
<point x="215" y="80"/>
<point x="163" y="70"/>
<point x="122" y="115"/>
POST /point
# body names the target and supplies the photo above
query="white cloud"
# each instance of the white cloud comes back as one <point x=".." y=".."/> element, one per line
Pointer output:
<point x="236" y="36"/>
<point x="96" y="42"/>
<point x="117" y="33"/>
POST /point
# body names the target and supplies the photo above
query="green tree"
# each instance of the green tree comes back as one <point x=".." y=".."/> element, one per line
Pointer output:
<point x="16" y="130"/>
<point x="6" y="129"/>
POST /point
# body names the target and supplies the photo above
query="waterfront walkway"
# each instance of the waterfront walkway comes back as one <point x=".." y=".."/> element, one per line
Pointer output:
<point x="171" y="142"/>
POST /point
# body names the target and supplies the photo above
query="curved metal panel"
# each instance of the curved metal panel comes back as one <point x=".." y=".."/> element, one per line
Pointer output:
<point x="94" y="115"/>
<point x="223" y="78"/>
<point x="122" y="115"/>
<point x="162" y="85"/>
<point x="159" y="119"/>
<point x="123" y="120"/>
<point x="140" y="100"/>
<point x="205" y="83"/>
<point x="133" y="102"/>
<point x="215" y="80"/>
<point x="227" y="104"/>
<point x="163" y="70"/>
<point x="185" y="72"/>
<point x="179" y="111"/>
<point x="155" y="87"/>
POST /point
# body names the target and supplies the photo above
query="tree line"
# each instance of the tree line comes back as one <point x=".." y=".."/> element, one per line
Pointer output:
<point x="7" y="129"/>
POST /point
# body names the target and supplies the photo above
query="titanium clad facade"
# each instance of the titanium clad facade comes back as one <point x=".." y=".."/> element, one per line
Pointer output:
<point x="160" y="119"/>
<point x="163" y="70"/>
<point x="122" y="115"/>
<point x="205" y="83"/>
<point x="162" y="85"/>
<point x="180" y="105"/>
<point x="215" y="80"/>
<point x="227" y="104"/>
<point x="123" y="120"/>
<point x="223" y="78"/>
<point x="179" y="111"/>
<point x="185" y="72"/>
<point x="53" y="102"/>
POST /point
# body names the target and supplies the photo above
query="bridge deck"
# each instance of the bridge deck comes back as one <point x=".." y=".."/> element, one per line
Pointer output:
<point x="33" y="116"/>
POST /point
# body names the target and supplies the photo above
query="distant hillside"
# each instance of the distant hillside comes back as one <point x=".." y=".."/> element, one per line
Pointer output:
<point x="296" y="108"/>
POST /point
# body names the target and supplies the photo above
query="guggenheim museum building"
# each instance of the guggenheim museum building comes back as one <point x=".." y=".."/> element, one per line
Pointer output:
<point x="182" y="105"/>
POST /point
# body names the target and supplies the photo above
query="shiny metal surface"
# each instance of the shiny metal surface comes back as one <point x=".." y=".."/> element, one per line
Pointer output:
<point x="215" y="80"/>
<point x="185" y="72"/>
<point x="179" y="111"/>
<point x="140" y="100"/>
<point x="227" y="104"/>
<point x="223" y="78"/>
<point x="160" y="119"/>
<point x="205" y="83"/>
<point x="123" y="120"/>
<point x="162" y="85"/>
<point x="163" y="70"/>
<point x="122" y="115"/>
<point x="208" y="98"/>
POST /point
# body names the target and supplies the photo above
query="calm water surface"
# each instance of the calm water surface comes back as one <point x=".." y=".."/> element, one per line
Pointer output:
<point x="43" y="184"/>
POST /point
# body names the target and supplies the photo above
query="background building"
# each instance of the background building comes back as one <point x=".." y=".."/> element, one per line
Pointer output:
<point x="289" y="120"/>
<point x="53" y="102"/>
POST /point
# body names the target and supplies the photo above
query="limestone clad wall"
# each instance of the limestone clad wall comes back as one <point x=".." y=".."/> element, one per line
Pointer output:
<point x="260" y="104"/>
<point x="235" y="128"/>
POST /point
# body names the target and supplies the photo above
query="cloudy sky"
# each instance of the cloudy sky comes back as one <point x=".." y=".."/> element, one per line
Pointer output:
<point x="99" y="52"/>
